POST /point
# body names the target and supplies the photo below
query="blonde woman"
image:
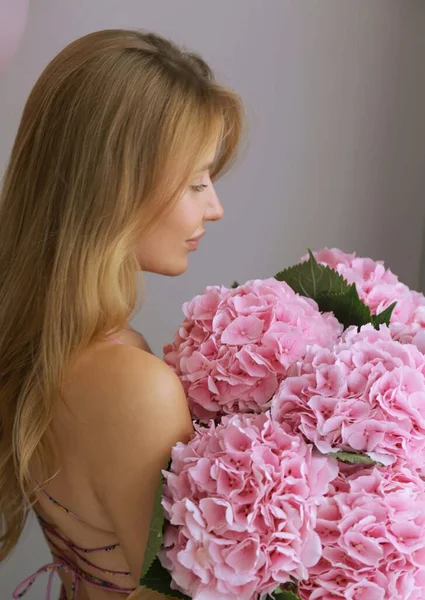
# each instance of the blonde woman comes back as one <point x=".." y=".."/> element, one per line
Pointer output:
<point x="111" y="174"/>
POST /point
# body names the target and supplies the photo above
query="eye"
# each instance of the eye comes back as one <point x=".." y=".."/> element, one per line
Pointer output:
<point x="199" y="188"/>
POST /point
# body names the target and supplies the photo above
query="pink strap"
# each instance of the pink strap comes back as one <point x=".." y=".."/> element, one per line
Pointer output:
<point x="77" y="576"/>
<point x="53" y="568"/>
<point x="116" y="340"/>
<point x="63" y="563"/>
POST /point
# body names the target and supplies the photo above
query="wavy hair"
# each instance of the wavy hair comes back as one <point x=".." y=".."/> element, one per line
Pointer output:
<point x="109" y="138"/>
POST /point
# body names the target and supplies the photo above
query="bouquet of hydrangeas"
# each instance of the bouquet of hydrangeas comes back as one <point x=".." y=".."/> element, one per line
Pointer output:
<point x="304" y="478"/>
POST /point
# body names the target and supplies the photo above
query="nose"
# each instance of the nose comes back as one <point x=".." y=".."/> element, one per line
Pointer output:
<point x="214" y="210"/>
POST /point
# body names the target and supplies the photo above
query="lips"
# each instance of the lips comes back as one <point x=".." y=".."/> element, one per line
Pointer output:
<point x="196" y="238"/>
<point x="193" y="243"/>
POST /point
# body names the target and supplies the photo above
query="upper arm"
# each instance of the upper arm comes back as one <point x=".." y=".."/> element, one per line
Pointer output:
<point x="142" y="415"/>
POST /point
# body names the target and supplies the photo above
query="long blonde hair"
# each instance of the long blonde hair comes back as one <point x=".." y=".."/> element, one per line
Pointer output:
<point x="108" y="140"/>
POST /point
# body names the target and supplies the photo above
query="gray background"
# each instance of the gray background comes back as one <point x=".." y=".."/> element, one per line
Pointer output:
<point x="335" y="95"/>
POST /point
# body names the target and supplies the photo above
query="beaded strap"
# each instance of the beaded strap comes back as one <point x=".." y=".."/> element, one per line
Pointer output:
<point x="62" y="563"/>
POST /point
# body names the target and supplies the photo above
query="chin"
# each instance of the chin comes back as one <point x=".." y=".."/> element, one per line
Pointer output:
<point x="170" y="270"/>
<point x="173" y="272"/>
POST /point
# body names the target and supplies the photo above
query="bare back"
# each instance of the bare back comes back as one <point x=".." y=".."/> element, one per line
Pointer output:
<point x="70" y="507"/>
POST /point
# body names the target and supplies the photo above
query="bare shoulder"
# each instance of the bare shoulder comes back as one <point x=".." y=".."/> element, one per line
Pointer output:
<point x="140" y="390"/>
<point x="125" y="398"/>
<point x="138" y="401"/>
<point x="121" y="379"/>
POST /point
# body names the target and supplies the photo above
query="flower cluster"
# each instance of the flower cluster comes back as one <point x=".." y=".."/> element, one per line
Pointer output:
<point x="241" y="500"/>
<point x="372" y="529"/>
<point x="236" y="345"/>
<point x="367" y="395"/>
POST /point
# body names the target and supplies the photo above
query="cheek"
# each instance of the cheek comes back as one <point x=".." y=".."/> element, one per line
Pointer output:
<point x="182" y="223"/>
<point x="188" y="215"/>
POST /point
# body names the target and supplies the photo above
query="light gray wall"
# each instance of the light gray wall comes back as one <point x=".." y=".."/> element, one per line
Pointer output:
<point x="335" y="94"/>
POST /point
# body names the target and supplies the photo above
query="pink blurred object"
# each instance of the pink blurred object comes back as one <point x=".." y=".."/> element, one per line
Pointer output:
<point x="13" y="19"/>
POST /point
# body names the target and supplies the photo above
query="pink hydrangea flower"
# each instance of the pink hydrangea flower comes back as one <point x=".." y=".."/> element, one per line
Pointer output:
<point x="241" y="499"/>
<point x="235" y="345"/>
<point x="372" y="529"/>
<point x="367" y="395"/>
<point x="378" y="287"/>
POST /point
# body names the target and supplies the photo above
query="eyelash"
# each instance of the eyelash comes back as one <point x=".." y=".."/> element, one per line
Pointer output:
<point x="199" y="188"/>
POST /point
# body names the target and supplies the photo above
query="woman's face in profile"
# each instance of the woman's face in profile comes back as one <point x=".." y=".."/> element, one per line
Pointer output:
<point x="166" y="249"/>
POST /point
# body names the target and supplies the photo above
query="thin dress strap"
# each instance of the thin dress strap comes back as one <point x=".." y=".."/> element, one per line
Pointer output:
<point x="61" y="506"/>
<point x="116" y="340"/>
<point x="63" y="563"/>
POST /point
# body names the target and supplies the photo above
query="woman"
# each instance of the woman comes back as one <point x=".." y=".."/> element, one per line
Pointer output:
<point x="110" y="175"/>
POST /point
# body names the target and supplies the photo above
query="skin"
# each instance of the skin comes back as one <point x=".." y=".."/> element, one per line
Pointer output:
<point x="124" y="410"/>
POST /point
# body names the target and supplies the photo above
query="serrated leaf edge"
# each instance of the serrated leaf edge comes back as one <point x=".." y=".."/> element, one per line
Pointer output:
<point x="156" y="564"/>
<point x="323" y="269"/>
<point x="378" y="319"/>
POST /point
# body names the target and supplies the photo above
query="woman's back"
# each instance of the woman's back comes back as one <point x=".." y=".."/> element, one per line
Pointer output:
<point x="86" y="553"/>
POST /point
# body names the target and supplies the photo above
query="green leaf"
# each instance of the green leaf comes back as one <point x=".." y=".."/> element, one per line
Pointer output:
<point x="312" y="279"/>
<point x="354" y="458"/>
<point x="158" y="580"/>
<point x="281" y="594"/>
<point x="347" y="307"/>
<point x="384" y="317"/>
<point x="234" y="285"/>
<point x="155" y="533"/>
<point x="329" y="289"/>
